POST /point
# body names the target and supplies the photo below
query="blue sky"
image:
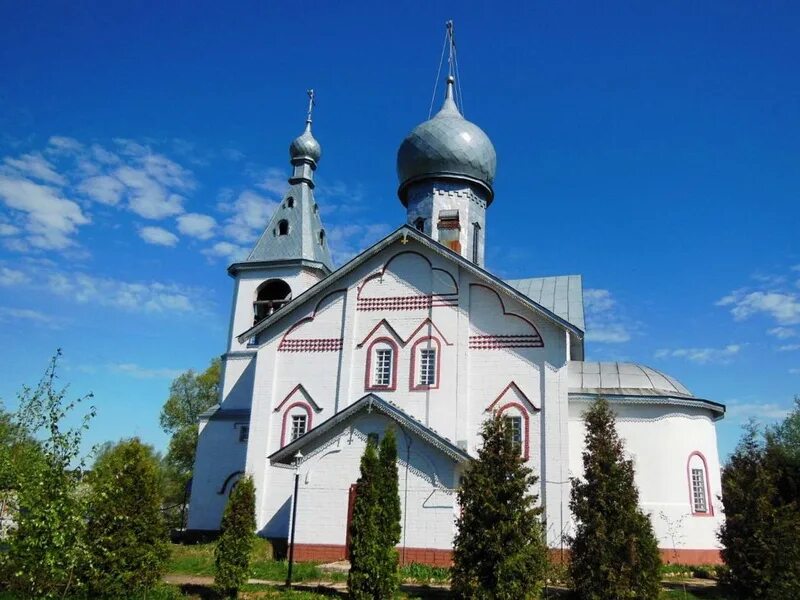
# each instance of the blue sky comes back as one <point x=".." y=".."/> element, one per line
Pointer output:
<point x="651" y="148"/>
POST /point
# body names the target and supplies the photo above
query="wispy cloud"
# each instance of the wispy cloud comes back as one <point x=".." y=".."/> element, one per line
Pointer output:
<point x="702" y="356"/>
<point x="788" y="347"/>
<point x="347" y="240"/>
<point x="603" y="322"/>
<point x="774" y="297"/>
<point x="158" y="236"/>
<point x="743" y="411"/>
<point x="782" y="333"/>
<point x="250" y="212"/>
<point x="36" y="166"/>
<point x="9" y="314"/>
<point x="231" y="252"/>
<point x="140" y="372"/>
<point x="12" y="277"/>
<point x="196" y="225"/>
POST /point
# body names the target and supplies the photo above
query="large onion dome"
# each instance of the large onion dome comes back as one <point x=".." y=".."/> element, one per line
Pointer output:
<point x="305" y="146"/>
<point x="446" y="147"/>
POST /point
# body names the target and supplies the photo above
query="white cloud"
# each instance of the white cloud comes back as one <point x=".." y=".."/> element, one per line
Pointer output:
<point x="789" y="348"/>
<point x="232" y="252"/>
<point x="7" y="230"/>
<point x="12" y="276"/>
<point x="275" y="181"/>
<point x="603" y="323"/>
<point x="702" y="355"/>
<point x="26" y="314"/>
<point x="50" y="218"/>
<point x="147" y="197"/>
<point x="345" y="241"/>
<point x="782" y="333"/>
<point x="158" y="236"/>
<point x="35" y="166"/>
<point x="139" y="372"/>
<point x="747" y="410"/>
<point x="150" y="297"/>
<point x="251" y="214"/>
<point x="783" y="307"/>
<point x="197" y="225"/>
<point x="59" y="143"/>
<point x="102" y="188"/>
<point x="794" y="371"/>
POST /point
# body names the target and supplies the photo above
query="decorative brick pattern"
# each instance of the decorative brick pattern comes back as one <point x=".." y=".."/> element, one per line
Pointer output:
<point x="493" y="342"/>
<point x="407" y="302"/>
<point x="311" y="345"/>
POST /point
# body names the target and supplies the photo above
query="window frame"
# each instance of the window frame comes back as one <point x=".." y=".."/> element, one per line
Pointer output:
<point x="382" y="343"/>
<point x="414" y="383"/>
<point x="298" y="418"/>
<point x="286" y="424"/>
<point x="519" y="443"/>
<point x="244" y="433"/>
<point x="515" y="409"/>
<point x="697" y="462"/>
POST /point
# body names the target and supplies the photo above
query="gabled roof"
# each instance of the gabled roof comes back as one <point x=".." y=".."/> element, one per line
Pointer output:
<point x="406" y="234"/>
<point x="562" y="294"/>
<point x="370" y="403"/>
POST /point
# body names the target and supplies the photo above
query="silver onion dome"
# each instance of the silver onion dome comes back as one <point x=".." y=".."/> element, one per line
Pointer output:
<point x="446" y="147"/>
<point x="305" y="146"/>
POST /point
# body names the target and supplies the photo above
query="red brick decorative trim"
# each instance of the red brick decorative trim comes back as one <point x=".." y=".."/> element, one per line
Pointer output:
<point x="413" y="385"/>
<point x="514" y="385"/>
<point x="398" y="303"/>
<point x="304" y="406"/>
<point x="306" y="396"/>
<point x="368" y="384"/>
<point x="709" y="497"/>
<point x="311" y="345"/>
<point x="403" y="342"/>
<point x="307" y="320"/>
<point x="441" y="557"/>
<point x="493" y="342"/>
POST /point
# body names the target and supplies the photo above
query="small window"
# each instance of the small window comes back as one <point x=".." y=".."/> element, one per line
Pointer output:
<point x="283" y="227"/>
<point x="244" y="433"/>
<point x="383" y="367"/>
<point x="420" y="224"/>
<point x="476" y="241"/>
<point x="373" y="438"/>
<point x="290" y="202"/>
<point x="271" y="295"/>
<point x="316" y="208"/>
<point x="514" y="425"/>
<point x="427" y="366"/>
<point x="321" y="237"/>
<point x="299" y="423"/>
<point x="699" y="502"/>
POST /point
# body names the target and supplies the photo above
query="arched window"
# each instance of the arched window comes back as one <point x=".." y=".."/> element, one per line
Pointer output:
<point x="699" y="486"/>
<point x="321" y="237"/>
<point x="516" y="417"/>
<point x="290" y="202"/>
<point x="419" y="223"/>
<point x="271" y="295"/>
<point x="425" y="359"/>
<point x="381" y="370"/>
<point x="283" y="227"/>
<point x="296" y="422"/>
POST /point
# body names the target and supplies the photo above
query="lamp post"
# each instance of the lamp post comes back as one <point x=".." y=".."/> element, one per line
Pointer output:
<point x="297" y="458"/>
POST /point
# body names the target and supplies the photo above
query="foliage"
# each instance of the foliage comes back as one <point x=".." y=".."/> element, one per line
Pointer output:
<point x="499" y="551"/>
<point x="46" y="550"/>
<point x="389" y="505"/>
<point x="424" y="573"/>
<point x="761" y="531"/>
<point x="237" y="536"/>
<point x="190" y="394"/>
<point x="614" y="552"/>
<point x="365" y="530"/>
<point x="126" y="533"/>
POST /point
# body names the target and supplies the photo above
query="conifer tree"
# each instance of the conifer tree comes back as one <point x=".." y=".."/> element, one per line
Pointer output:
<point x="500" y="552"/>
<point x="126" y="534"/>
<point x="236" y="539"/>
<point x="761" y="532"/>
<point x="389" y="503"/>
<point x="366" y="557"/>
<point x="614" y="551"/>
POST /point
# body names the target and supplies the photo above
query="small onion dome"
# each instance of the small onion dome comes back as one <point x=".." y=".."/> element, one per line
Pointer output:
<point x="305" y="146"/>
<point x="446" y="147"/>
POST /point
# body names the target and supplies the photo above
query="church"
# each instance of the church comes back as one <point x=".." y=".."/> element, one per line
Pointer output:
<point x="414" y="334"/>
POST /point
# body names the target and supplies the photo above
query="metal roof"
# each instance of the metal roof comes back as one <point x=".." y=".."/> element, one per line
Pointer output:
<point x="371" y="403"/>
<point x="612" y="377"/>
<point x="562" y="295"/>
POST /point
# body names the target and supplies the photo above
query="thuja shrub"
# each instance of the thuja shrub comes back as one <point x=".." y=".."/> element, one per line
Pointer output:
<point x="237" y="536"/>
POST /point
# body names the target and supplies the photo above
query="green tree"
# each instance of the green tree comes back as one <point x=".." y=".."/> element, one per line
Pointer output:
<point x="46" y="551"/>
<point x="237" y="536"/>
<point x="190" y="394"/>
<point x="126" y="533"/>
<point x="762" y="526"/>
<point x="366" y="537"/>
<point x="389" y="504"/>
<point x="500" y="550"/>
<point x="614" y="551"/>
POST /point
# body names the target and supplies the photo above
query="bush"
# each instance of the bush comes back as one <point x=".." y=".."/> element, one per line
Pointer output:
<point x="499" y="550"/>
<point x="127" y="537"/>
<point x="237" y="536"/>
<point x="614" y="552"/>
<point x="365" y="534"/>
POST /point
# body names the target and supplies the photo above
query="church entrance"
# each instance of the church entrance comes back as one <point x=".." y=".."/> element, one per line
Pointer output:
<point x="351" y="500"/>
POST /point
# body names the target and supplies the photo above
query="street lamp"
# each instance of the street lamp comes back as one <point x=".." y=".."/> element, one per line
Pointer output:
<point x="297" y="458"/>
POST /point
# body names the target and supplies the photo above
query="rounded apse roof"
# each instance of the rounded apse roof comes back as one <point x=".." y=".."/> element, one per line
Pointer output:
<point x="447" y="147"/>
<point x="621" y="378"/>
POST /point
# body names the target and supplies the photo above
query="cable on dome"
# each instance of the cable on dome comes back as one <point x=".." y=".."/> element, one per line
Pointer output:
<point x="438" y="73"/>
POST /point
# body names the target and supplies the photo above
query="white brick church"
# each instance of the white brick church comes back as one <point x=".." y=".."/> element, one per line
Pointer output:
<point x="414" y="334"/>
